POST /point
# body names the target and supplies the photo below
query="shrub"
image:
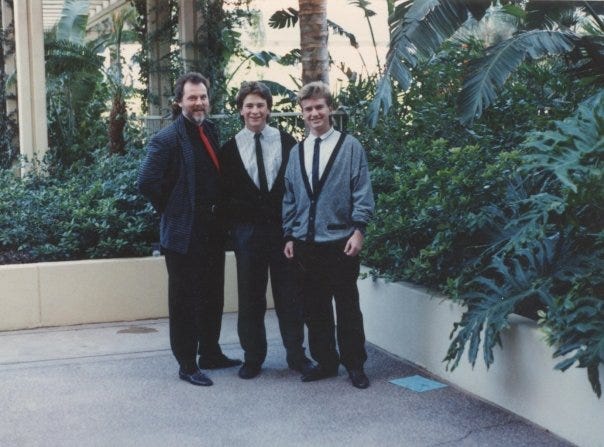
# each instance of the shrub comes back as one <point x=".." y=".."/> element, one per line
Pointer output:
<point x="432" y="176"/>
<point x="82" y="212"/>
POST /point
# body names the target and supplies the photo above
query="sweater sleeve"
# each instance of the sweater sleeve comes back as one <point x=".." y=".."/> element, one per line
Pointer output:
<point x="362" y="194"/>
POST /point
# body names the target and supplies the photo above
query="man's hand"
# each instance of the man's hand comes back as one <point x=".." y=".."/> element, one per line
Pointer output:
<point x="354" y="244"/>
<point x="288" y="251"/>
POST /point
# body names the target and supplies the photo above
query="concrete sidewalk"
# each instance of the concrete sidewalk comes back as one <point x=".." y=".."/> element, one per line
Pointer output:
<point x="117" y="385"/>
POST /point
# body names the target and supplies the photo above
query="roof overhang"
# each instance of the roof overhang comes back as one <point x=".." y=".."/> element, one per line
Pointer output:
<point x="99" y="9"/>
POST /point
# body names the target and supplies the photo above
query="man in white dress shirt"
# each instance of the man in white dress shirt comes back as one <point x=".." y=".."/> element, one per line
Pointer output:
<point x="253" y="164"/>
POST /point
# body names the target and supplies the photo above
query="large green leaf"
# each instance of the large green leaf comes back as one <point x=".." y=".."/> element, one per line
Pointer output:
<point x="73" y="21"/>
<point x="489" y="73"/>
<point x="417" y="29"/>
<point x="574" y="148"/>
<point x="503" y="286"/>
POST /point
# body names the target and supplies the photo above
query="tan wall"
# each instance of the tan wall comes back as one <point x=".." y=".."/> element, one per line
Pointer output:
<point x="76" y="292"/>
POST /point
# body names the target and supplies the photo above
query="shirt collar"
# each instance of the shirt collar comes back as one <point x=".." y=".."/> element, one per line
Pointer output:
<point x="327" y="134"/>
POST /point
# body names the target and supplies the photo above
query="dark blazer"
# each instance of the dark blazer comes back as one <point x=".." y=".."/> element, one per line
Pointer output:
<point x="244" y="202"/>
<point x="167" y="179"/>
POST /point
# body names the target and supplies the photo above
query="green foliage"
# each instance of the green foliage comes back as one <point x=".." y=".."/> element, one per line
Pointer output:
<point x="73" y="21"/>
<point x="488" y="74"/>
<point x="218" y="40"/>
<point x="432" y="177"/>
<point x="549" y="247"/>
<point x="501" y="222"/>
<point x="418" y="28"/>
<point x="83" y="212"/>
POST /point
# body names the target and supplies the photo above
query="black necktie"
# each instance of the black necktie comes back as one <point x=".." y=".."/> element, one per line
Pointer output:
<point x="315" y="166"/>
<point x="260" y="163"/>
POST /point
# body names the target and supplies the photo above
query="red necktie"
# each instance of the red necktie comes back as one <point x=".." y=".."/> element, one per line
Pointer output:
<point x="209" y="148"/>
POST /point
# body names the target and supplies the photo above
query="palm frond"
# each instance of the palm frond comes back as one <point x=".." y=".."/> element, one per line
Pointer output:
<point x="72" y="24"/>
<point x="284" y="18"/>
<point x="263" y="58"/>
<point x="278" y="89"/>
<point x="489" y="73"/>
<point x="342" y="32"/>
<point x="63" y="56"/>
<point x="364" y="5"/>
<point x="291" y="58"/>
<point x="417" y="29"/>
<point x="589" y="57"/>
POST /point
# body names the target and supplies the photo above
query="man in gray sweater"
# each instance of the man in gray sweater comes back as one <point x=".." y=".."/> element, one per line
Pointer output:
<point x="327" y="204"/>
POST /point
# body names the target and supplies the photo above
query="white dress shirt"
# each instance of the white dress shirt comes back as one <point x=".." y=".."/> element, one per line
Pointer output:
<point x="270" y="140"/>
<point x="328" y="143"/>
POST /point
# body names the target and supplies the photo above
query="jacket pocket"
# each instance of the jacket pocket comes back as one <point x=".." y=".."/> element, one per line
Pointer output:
<point x="337" y="226"/>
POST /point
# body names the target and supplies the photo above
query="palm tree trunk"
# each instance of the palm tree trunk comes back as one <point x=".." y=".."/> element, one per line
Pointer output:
<point x="313" y="40"/>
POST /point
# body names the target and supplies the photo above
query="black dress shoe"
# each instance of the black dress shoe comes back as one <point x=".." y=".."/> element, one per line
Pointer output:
<point x="196" y="378"/>
<point x="218" y="362"/>
<point x="358" y="378"/>
<point x="249" y="371"/>
<point x="303" y="366"/>
<point x="317" y="372"/>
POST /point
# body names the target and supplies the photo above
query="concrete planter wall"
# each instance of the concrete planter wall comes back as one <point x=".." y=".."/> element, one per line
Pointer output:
<point x="415" y="325"/>
<point x="76" y="292"/>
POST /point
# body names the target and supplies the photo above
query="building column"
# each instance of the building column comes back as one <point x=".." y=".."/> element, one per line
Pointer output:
<point x="188" y="22"/>
<point x="9" y="57"/>
<point x="160" y="88"/>
<point x="31" y="83"/>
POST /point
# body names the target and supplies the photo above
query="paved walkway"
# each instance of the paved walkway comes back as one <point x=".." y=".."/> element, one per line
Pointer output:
<point x="116" y="385"/>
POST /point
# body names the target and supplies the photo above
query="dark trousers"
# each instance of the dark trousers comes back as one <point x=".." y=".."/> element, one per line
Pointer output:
<point x="325" y="273"/>
<point x="258" y="249"/>
<point x="196" y="298"/>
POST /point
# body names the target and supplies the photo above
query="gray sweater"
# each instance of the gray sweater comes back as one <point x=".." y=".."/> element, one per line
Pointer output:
<point x="342" y="203"/>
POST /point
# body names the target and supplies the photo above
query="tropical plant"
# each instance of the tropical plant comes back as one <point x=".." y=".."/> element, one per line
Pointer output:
<point x="452" y="202"/>
<point x="419" y="27"/>
<point x="120" y="32"/>
<point x="547" y="245"/>
<point x="79" y="87"/>
<point x="73" y="88"/>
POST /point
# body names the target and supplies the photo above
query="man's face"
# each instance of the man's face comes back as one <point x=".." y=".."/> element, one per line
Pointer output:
<point x="316" y="112"/>
<point x="254" y="112"/>
<point x="195" y="103"/>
